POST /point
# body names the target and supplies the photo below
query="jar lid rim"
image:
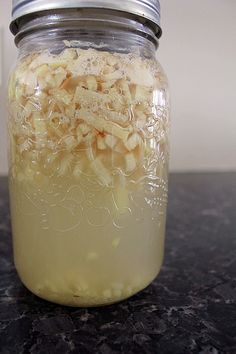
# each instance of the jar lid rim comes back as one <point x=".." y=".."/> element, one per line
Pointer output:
<point x="146" y="9"/>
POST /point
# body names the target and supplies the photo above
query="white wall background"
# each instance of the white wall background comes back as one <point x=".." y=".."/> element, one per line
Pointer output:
<point x="8" y="54"/>
<point x="198" y="51"/>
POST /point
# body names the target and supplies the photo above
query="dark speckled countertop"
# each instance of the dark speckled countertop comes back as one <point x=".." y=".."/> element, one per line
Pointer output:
<point x="189" y="308"/>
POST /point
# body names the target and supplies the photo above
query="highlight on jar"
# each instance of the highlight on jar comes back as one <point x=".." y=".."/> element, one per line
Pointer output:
<point x="89" y="171"/>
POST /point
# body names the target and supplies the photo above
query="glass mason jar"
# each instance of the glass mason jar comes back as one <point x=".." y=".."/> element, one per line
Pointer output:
<point x="88" y="126"/>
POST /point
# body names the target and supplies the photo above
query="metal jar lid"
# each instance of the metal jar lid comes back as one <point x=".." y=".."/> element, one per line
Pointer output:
<point x="146" y="9"/>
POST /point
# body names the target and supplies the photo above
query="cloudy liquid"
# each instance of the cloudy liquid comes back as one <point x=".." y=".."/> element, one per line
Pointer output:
<point x="79" y="245"/>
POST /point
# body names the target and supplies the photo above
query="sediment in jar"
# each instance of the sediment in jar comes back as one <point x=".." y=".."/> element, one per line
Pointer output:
<point x="91" y="123"/>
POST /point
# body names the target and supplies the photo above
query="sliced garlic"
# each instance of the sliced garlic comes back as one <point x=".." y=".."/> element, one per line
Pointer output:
<point x="125" y="90"/>
<point x="107" y="84"/>
<point x="84" y="128"/>
<point x="24" y="146"/>
<point x="112" y="76"/>
<point x="90" y="106"/>
<point x="120" y="148"/>
<point x="70" y="142"/>
<point x="65" y="165"/>
<point x="91" y="83"/>
<point x="133" y="141"/>
<point x="78" y="169"/>
<point x="59" y="76"/>
<point x="102" y="125"/>
<point x="42" y="70"/>
<point x="90" y="137"/>
<point x="39" y="124"/>
<point x="102" y="172"/>
<point x="62" y="95"/>
<point x="79" y="135"/>
<point x="141" y="94"/>
<point x="101" y="145"/>
<point x="88" y="99"/>
<point x="110" y="141"/>
<point x="130" y="162"/>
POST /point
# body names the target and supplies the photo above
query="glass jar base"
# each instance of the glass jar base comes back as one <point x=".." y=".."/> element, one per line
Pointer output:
<point x="73" y="300"/>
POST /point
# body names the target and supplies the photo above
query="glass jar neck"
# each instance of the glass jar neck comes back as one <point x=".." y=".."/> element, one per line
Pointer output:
<point x="104" y="30"/>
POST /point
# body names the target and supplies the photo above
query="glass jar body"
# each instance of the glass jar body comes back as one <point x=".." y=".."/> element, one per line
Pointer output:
<point x="89" y="150"/>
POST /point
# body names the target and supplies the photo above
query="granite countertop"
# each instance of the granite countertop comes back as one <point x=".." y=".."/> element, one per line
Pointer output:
<point x="189" y="308"/>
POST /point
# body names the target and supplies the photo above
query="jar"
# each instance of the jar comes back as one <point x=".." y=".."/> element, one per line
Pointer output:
<point x="88" y="126"/>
